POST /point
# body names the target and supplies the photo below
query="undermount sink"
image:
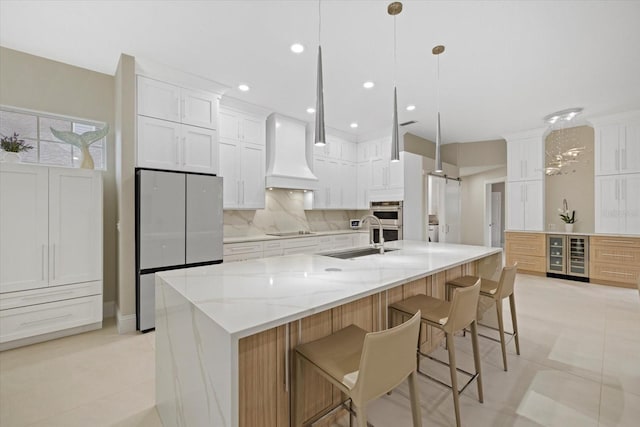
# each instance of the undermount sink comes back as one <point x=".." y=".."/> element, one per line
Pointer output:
<point x="292" y="233"/>
<point x="355" y="253"/>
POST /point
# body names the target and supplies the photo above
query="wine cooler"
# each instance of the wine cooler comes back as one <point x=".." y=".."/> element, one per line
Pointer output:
<point x="568" y="257"/>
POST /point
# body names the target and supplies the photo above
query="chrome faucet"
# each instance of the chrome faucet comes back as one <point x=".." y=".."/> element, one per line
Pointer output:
<point x="375" y="245"/>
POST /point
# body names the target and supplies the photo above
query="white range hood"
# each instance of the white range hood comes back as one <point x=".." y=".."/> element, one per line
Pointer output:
<point x="287" y="165"/>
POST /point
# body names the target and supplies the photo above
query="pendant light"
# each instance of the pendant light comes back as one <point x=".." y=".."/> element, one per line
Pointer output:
<point x="437" y="51"/>
<point x="394" y="9"/>
<point x="320" y="139"/>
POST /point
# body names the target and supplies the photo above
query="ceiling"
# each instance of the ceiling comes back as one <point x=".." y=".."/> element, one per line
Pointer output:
<point x="506" y="64"/>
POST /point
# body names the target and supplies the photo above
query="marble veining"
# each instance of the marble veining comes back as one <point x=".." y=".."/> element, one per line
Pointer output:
<point x="284" y="211"/>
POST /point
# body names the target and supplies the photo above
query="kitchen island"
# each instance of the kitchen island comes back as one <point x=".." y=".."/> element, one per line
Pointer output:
<point x="224" y="333"/>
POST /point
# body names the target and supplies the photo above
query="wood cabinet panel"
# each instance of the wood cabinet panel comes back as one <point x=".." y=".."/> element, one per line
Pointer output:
<point x="257" y="370"/>
<point x="532" y="244"/>
<point x="617" y="274"/>
<point x="527" y="263"/>
<point x="614" y="260"/>
<point x="619" y="242"/>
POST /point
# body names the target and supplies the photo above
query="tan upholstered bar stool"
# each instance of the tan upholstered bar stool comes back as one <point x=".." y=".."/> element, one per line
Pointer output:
<point x="498" y="291"/>
<point x="362" y="365"/>
<point x="450" y="317"/>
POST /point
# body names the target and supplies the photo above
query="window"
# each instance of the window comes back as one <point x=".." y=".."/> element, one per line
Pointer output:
<point x="35" y="129"/>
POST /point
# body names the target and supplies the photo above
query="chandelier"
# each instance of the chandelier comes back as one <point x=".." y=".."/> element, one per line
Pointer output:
<point x="562" y="149"/>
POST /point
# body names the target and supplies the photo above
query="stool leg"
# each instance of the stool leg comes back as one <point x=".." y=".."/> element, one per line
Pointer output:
<point x="415" y="400"/>
<point x="501" y="331"/>
<point x="297" y="396"/>
<point x="512" y="302"/>
<point x="454" y="376"/>
<point x="476" y="358"/>
<point x="361" y="415"/>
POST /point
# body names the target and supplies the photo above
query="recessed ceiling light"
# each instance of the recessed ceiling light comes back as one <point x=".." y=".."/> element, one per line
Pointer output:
<point x="411" y="107"/>
<point x="297" y="48"/>
<point x="353" y="125"/>
<point x="311" y="110"/>
<point x="243" y="87"/>
<point x="368" y="85"/>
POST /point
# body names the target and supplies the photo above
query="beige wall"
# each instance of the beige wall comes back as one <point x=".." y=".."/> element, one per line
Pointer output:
<point x="417" y="145"/>
<point x="577" y="186"/>
<point x="36" y="83"/>
<point x="472" y="205"/>
<point x="125" y="116"/>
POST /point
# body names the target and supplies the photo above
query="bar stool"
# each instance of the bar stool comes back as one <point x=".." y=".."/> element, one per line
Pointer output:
<point x="498" y="291"/>
<point x="450" y="317"/>
<point x="363" y="366"/>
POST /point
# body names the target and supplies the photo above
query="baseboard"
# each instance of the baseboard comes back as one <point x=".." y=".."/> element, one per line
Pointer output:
<point x="126" y="322"/>
<point x="108" y="309"/>
<point x="50" y="336"/>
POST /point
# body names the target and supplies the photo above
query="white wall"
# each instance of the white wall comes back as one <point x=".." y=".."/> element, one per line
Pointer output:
<point x="473" y="197"/>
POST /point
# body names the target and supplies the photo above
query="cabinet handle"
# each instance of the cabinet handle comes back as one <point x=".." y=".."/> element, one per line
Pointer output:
<point x="617" y="159"/>
<point x="617" y="273"/>
<point x="33" y="322"/>
<point x="183" y="106"/>
<point x="238" y="192"/>
<point x="54" y="262"/>
<point x="243" y="192"/>
<point x="618" y="255"/>
<point x="624" y="159"/>
<point x="177" y="150"/>
<point x="50" y="294"/>
<point x="42" y="262"/>
<point x="286" y="358"/>
<point x="623" y="191"/>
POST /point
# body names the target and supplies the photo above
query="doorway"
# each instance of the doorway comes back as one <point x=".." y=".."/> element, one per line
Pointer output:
<point x="494" y="213"/>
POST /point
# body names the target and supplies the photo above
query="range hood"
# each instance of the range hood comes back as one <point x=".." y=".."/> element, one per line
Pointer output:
<point x="287" y="165"/>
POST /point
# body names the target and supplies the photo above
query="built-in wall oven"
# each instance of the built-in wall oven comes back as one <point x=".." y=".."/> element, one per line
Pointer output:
<point x="390" y="215"/>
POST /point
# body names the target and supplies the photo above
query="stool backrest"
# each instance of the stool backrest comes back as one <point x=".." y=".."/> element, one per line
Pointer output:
<point x="388" y="357"/>
<point x="464" y="308"/>
<point x="507" y="280"/>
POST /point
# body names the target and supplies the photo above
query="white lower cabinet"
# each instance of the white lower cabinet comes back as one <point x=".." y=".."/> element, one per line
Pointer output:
<point x="50" y="249"/>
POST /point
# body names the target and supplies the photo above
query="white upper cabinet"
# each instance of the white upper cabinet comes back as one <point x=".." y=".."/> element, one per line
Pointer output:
<point x="363" y="184"/>
<point x="176" y="127"/>
<point x="334" y="166"/>
<point x="617" y="202"/>
<point x="617" y="148"/>
<point x="524" y="210"/>
<point x="168" y="145"/>
<point x="242" y="159"/>
<point x="170" y="102"/>
<point x="525" y="159"/>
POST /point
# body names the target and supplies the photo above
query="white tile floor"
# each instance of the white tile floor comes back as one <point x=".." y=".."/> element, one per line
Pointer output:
<point x="580" y="366"/>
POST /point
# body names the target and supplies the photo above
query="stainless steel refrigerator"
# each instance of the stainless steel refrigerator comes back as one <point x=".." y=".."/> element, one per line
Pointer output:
<point x="178" y="225"/>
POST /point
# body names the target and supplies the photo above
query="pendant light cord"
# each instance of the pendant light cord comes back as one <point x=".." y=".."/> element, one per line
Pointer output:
<point x="438" y="80"/>
<point x="319" y="23"/>
<point x="394" y="51"/>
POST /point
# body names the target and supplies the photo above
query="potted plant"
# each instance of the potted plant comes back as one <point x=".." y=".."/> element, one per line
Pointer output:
<point x="13" y="146"/>
<point x="568" y="220"/>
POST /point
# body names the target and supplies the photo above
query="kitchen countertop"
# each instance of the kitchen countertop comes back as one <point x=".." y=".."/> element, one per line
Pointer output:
<point x="244" y="298"/>
<point x="575" y="233"/>
<point x="262" y="237"/>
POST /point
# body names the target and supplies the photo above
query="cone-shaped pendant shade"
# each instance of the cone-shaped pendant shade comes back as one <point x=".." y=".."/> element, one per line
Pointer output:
<point x="395" y="142"/>
<point x="319" y="134"/>
<point x="438" y="142"/>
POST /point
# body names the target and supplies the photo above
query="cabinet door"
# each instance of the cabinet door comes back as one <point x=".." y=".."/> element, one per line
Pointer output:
<point x="229" y="125"/>
<point x="75" y="226"/>
<point x="349" y="183"/>
<point x="158" y="143"/>
<point x="515" y="206"/>
<point x="396" y="173"/>
<point x="378" y="173"/>
<point x="252" y="130"/>
<point x="334" y="184"/>
<point x="252" y="164"/>
<point x="362" y="185"/>
<point x="630" y="202"/>
<point x="158" y="99"/>
<point x="533" y="157"/>
<point x="199" y="108"/>
<point x="630" y="150"/>
<point x="24" y="239"/>
<point x="533" y="206"/>
<point x="230" y="170"/>
<point x="199" y="150"/>
<point x="607" y="149"/>
<point x="607" y="204"/>
<point x="349" y="153"/>
<point x="321" y="170"/>
<point x="515" y="163"/>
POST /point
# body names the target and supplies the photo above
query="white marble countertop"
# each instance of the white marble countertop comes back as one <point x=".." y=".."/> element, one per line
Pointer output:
<point x="575" y="233"/>
<point x="261" y="237"/>
<point x="248" y="297"/>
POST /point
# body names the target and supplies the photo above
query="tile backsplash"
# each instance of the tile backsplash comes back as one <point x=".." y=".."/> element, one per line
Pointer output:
<point x="284" y="211"/>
